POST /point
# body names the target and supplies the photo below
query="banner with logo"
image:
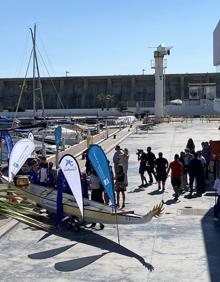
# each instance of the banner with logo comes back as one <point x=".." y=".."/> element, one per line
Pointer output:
<point x="31" y="136"/>
<point x="58" y="135"/>
<point x="71" y="171"/>
<point x="100" y="163"/>
<point x="9" y="143"/>
<point x="19" y="154"/>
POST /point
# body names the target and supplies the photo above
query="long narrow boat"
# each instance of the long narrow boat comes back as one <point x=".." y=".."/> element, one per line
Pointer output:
<point x="93" y="211"/>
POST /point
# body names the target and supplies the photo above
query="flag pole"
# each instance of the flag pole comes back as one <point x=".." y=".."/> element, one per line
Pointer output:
<point x="114" y="206"/>
<point x="117" y="226"/>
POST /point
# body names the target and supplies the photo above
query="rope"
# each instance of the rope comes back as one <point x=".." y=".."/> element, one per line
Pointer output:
<point x="51" y="80"/>
<point x="23" y="85"/>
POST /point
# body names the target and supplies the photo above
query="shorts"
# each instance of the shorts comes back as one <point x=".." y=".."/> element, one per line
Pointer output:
<point x="142" y="169"/>
<point x="120" y="186"/>
<point x="176" y="182"/>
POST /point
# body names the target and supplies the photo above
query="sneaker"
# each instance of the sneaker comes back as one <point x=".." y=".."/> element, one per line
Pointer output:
<point x="102" y="226"/>
<point x="145" y="185"/>
<point x="92" y="225"/>
<point x="141" y="186"/>
<point x="189" y="196"/>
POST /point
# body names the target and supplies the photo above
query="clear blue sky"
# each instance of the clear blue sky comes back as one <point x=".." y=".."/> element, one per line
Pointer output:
<point x="107" y="37"/>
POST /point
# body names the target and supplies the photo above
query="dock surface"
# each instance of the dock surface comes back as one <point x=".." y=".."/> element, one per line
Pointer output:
<point x="182" y="245"/>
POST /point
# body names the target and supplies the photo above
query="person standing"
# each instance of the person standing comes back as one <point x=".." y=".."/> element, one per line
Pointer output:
<point x="190" y="145"/>
<point x="187" y="159"/>
<point x="142" y="157"/>
<point x="120" y="186"/>
<point x="184" y="174"/>
<point x="150" y="164"/>
<point x="196" y="172"/>
<point x="96" y="192"/>
<point x="207" y="154"/>
<point x="176" y="168"/>
<point x="43" y="174"/>
<point x="117" y="157"/>
<point x="50" y="175"/>
<point x="217" y="204"/>
<point x="124" y="162"/>
<point x="161" y="165"/>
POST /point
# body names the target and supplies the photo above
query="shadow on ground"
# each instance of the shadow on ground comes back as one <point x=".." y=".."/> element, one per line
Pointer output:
<point x="211" y="234"/>
<point x="155" y="192"/>
<point x="89" y="238"/>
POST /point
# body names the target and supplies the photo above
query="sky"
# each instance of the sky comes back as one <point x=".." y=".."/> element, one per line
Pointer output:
<point x="107" y="37"/>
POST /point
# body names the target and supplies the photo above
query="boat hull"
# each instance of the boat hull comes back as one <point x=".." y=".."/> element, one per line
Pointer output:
<point x="93" y="211"/>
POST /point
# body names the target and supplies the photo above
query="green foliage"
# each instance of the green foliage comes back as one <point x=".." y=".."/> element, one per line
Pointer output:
<point x="105" y="100"/>
<point x="20" y="211"/>
<point x="121" y="106"/>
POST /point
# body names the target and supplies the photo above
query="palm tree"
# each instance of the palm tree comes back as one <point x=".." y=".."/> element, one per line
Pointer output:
<point x="109" y="98"/>
<point x="105" y="100"/>
<point x="19" y="211"/>
<point x="102" y="100"/>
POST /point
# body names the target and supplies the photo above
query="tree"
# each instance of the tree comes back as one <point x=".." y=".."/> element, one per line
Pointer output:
<point x="121" y="106"/>
<point x="105" y="100"/>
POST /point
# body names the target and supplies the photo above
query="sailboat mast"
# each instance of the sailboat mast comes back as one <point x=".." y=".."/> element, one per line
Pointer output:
<point x="40" y="88"/>
<point x="36" y="68"/>
<point x="33" y="35"/>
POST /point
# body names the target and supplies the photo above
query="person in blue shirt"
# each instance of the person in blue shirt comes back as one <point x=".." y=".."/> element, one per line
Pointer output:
<point x="50" y="175"/>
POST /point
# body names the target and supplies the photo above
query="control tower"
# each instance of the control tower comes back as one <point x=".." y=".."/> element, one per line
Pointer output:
<point x="159" y="65"/>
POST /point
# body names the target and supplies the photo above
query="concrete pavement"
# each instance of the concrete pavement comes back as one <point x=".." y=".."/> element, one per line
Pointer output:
<point x="183" y="245"/>
<point x="6" y="224"/>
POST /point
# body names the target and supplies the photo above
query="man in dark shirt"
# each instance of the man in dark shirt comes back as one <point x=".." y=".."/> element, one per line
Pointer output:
<point x="196" y="172"/>
<point x="150" y="164"/>
<point x="161" y="165"/>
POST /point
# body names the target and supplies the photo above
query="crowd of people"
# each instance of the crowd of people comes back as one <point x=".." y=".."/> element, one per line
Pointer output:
<point x="189" y="169"/>
<point x="40" y="172"/>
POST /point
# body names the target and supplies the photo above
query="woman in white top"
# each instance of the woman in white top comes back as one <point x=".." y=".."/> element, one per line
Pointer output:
<point x="43" y="174"/>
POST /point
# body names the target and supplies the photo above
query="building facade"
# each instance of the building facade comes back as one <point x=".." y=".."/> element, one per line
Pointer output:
<point x="89" y="92"/>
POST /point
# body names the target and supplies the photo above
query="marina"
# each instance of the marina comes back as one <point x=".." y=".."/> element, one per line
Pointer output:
<point x="110" y="141"/>
<point x="144" y="249"/>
